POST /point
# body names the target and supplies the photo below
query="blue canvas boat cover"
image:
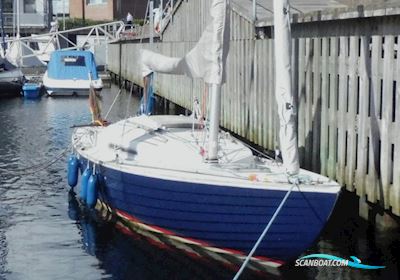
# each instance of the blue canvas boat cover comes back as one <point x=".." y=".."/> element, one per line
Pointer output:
<point x="67" y="65"/>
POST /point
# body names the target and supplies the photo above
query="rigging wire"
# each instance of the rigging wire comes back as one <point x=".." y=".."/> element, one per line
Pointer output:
<point x="126" y="115"/>
<point x="113" y="103"/>
<point x="265" y="231"/>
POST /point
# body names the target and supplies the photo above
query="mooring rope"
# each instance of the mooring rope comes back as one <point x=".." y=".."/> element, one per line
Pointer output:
<point x="245" y="263"/>
<point x="37" y="167"/>
<point x="29" y="170"/>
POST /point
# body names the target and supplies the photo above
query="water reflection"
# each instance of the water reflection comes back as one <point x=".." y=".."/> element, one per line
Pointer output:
<point x="347" y="235"/>
<point x="125" y="254"/>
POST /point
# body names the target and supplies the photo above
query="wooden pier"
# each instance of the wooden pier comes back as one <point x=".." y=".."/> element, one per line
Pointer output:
<point x="346" y="68"/>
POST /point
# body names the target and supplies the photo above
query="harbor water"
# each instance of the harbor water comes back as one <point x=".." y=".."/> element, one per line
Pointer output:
<point x="44" y="234"/>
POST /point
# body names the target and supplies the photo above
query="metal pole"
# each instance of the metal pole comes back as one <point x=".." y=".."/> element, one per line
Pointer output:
<point x="254" y="10"/>
<point x="18" y="22"/>
<point x="214" y="122"/>
<point x="50" y="11"/>
<point x="14" y="19"/>
<point x="106" y="67"/>
<point x="151" y="21"/>
<point x="3" y="39"/>
<point x="172" y="10"/>
<point x="83" y="10"/>
<point x="63" y="7"/>
<point x="19" y="58"/>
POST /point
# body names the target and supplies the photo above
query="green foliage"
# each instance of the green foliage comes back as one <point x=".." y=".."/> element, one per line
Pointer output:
<point x="71" y="23"/>
<point x="138" y="21"/>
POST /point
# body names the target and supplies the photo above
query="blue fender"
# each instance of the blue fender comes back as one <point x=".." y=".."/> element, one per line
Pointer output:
<point x="73" y="171"/>
<point x="91" y="195"/>
<point x="84" y="183"/>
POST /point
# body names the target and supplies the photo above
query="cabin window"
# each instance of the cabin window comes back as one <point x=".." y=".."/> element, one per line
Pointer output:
<point x="30" y="6"/>
<point x="73" y="60"/>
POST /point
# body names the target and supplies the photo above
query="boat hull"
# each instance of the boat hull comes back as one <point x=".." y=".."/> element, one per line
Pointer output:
<point x="10" y="89"/>
<point x="216" y="217"/>
<point x="11" y="83"/>
<point x="69" y="87"/>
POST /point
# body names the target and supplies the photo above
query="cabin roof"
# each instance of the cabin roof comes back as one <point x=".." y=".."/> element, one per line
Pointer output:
<point x="71" y="64"/>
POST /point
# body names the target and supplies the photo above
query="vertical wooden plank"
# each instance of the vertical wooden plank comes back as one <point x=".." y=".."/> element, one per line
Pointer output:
<point x="333" y="92"/>
<point x="264" y="81"/>
<point x="243" y="101"/>
<point x="308" y="105"/>
<point x="395" y="194"/>
<point x="231" y="94"/>
<point x="387" y="109"/>
<point x="259" y="93"/>
<point x="316" y="105"/>
<point x="249" y="92"/>
<point x="365" y="73"/>
<point x="302" y="100"/>
<point x="352" y="113"/>
<point x="235" y="86"/>
<point x="374" y="136"/>
<point x="271" y="96"/>
<point x="343" y="83"/>
<point x="243" y="89"/>
<point x="324" y="142"/>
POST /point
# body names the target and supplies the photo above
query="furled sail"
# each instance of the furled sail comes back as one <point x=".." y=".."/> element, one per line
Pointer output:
<point x="283" y="87"/>
<point x="206" y="60"/>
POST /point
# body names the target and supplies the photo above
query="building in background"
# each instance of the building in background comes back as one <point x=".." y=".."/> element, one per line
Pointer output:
<point x="60" y="8"/>
<point x="33" y="16"/>
<point x="107" y="10"/>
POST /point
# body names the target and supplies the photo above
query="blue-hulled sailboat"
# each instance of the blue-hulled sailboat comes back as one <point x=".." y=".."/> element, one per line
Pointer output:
<point x="161" y="175"/>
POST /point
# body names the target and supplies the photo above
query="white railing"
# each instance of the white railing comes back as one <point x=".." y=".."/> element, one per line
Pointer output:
<point x="96" y="34"/>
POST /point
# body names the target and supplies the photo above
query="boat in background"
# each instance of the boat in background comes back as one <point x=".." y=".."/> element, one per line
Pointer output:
<point x="190" y="182"/>
<point x="71" y="73"/>
<point x="11" y="79"/>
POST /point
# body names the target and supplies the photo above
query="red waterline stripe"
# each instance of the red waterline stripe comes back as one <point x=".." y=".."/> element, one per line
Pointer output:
<point x="201" y="243"/>
<point x="153" y="242"/>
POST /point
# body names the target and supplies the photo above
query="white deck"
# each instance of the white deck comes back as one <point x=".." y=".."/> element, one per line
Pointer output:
<point x="154" y="146"/>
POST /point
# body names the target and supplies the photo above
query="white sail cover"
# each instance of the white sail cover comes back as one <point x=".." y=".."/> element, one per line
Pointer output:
<point x="283" y="87"/>
<point x="206" y="60"/>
